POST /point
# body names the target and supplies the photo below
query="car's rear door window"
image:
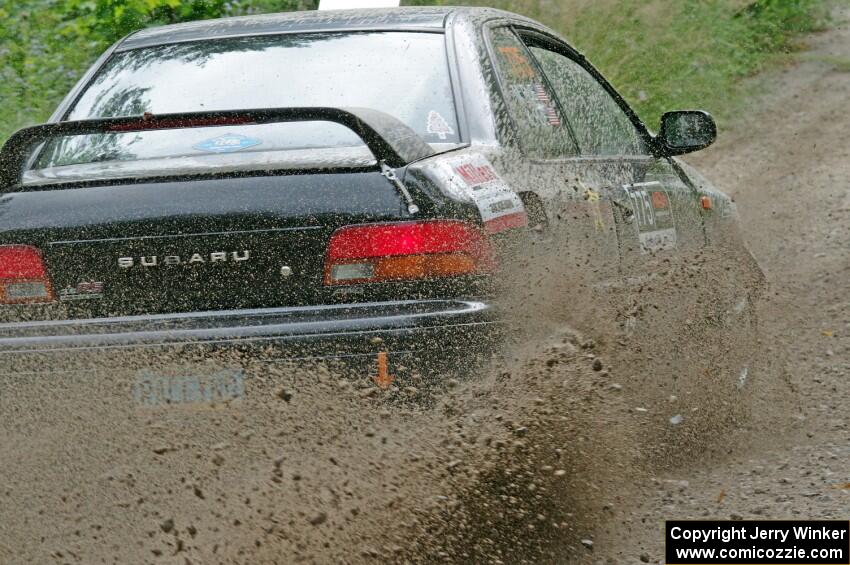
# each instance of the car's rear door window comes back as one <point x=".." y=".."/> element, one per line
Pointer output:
<point x="540" y="123"/>
<point x="600" y="125"/>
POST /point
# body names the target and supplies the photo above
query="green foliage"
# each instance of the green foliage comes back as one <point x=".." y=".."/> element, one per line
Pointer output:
<point x="661" y="54"/>
<point x="41" y="55"/>
<point x="697" y="53"/>
<point x="110" y="20"/>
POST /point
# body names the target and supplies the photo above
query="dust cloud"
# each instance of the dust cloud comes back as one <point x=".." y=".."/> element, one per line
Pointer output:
<point x="600" y="384"/>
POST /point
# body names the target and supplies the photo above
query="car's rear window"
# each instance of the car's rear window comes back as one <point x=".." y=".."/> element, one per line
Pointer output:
<point x="404" y="74"/>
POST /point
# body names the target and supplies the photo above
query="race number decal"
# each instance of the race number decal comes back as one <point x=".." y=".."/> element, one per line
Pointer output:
<point x="474" y="179"/>
<point x="519" y="65"/>
<point x="654" y="217"/>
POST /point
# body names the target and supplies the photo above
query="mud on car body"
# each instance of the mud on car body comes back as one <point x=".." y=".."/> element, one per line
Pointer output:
<point x="313" y="181"/>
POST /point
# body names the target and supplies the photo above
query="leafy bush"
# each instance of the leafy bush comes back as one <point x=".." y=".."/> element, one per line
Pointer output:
<point x="109" y="20"/>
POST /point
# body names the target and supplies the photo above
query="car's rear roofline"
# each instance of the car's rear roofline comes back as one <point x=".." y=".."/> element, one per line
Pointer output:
<point x="425" y="19"/>
<point x="389" y="140"/>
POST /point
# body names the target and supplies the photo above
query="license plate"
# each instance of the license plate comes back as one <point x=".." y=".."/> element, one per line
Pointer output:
<point x="151" y="389"/>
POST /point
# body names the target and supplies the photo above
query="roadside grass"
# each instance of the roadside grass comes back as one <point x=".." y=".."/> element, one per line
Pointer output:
<point x="664" y="55"/>
<point x="837" y="62"/>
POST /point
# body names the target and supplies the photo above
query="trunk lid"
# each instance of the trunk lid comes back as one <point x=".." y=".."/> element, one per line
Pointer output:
<point x="179" y="246"/>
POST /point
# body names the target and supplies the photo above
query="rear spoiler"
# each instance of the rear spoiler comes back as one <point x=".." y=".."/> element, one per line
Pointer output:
<point x="389" y="140"/>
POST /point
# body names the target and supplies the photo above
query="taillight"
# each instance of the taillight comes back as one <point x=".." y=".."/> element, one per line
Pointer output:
<point x="23" y="278"/>
<point x="407" y="251"/>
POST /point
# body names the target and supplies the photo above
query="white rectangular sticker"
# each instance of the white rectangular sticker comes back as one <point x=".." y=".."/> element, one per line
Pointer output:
<point x="654" y="214"/>
<point x="473" y="178"/>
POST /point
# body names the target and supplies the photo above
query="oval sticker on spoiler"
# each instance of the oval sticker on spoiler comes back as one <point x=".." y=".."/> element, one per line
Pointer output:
<point x="227" y="143"/>
<point x="474" y="179"/>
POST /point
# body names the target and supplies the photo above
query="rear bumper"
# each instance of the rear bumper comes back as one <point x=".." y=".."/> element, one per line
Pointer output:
<point x="323" y="332"/>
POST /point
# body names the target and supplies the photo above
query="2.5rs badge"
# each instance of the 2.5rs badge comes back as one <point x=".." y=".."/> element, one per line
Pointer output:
<point x="85" y="290"/>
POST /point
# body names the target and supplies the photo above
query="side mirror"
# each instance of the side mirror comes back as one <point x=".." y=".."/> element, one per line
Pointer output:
<point x="686" y="131"/>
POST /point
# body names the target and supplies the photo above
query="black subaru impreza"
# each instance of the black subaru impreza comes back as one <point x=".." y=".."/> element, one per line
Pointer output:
<point x="330" y="184"/>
